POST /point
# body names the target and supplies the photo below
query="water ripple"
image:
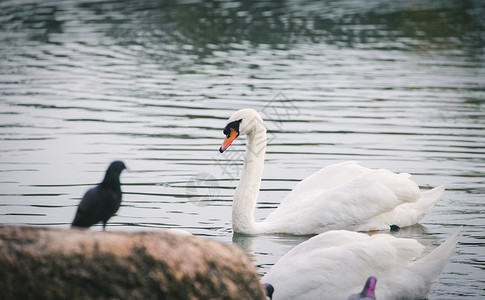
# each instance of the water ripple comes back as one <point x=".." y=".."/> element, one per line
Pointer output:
<point x="394" y="85"/>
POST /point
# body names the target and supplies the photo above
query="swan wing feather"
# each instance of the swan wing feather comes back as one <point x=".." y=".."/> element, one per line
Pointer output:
<point x="344" y="205"/>
<point x="406" y="214"/>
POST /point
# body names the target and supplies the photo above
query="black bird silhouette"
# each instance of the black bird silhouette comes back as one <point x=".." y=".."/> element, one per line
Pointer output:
<point x="101" y="202"/>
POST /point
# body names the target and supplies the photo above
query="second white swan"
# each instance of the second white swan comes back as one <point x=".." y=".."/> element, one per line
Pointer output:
<point x="335" y="264"/>
<point x="339" y="196"/>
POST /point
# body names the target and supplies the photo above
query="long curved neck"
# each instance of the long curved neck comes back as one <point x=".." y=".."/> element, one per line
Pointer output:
<point x="247" y="191"/>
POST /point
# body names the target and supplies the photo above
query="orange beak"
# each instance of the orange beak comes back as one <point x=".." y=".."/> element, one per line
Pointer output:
<point x="233" y="134"/>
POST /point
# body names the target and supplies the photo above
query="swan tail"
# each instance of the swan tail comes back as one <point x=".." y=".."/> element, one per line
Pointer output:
<point x="416" y="211"/>
<point x="430" y="198"/>
<point x="443" y="251"/>
<point x="429" y="268"/>
<point x="420" y="274"/>
<point x="406" y="214"/>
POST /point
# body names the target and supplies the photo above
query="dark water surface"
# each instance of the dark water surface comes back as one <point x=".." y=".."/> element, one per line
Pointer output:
<point x="392" y="84"/>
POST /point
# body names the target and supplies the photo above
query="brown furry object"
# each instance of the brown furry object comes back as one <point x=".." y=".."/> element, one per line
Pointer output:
<point x="40" y="263"/>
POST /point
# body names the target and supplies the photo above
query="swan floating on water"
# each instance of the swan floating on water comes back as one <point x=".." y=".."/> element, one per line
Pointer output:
<point x="336" y="264"/>
<point x="339" y="196"/>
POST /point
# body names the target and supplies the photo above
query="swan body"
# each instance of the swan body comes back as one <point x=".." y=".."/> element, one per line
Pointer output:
<point x="340" y="196"/>
<point x="338" y="263"/>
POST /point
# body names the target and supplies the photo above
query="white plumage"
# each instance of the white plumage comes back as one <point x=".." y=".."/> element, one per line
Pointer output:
<point x="336" y="264"/>
<point x="339" y="196"/>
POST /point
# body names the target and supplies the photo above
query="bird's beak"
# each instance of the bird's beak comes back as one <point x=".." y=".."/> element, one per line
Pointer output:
<point x="233" y="134"/>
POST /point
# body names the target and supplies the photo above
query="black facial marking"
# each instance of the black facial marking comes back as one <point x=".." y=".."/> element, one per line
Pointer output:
<point x="234" y="125"/>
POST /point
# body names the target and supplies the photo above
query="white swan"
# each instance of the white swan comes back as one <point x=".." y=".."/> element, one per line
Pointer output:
<point x="337" y="263"/>
<point x="339" y="196"/>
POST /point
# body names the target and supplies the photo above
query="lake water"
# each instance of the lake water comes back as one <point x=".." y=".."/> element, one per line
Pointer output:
<point x="393" y="84"/>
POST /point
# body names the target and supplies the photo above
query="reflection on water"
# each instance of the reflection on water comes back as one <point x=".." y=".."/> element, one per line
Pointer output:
<point x="398" y="85"/>
<point x="265" y="250"/>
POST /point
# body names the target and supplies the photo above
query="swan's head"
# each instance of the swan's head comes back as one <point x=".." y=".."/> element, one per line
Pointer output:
<point x="242" y="122"/>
